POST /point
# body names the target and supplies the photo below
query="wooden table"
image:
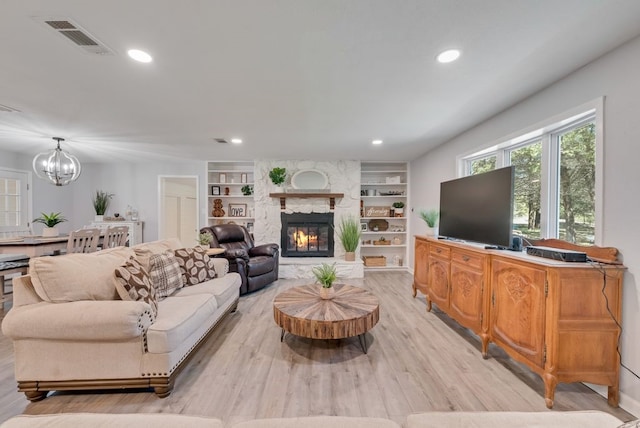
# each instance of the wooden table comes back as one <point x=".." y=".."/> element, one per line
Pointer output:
<point x="215" y="251"/>
<point x="33" y="247"/>
<point x="351" y="312"/>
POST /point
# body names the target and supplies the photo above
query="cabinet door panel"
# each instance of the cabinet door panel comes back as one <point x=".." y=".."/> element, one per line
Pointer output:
<point x="466" y="296"/>
<point x="518" y="309"/>
<point x="439" y="282"/>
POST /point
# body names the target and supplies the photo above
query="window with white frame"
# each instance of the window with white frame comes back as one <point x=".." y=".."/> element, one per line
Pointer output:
<point x="555" y="185"/>
<point x="14" y="202"/>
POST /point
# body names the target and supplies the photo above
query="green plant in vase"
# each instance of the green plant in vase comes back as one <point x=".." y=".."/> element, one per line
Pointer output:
<point x="101" y="202"/>
<point x="431" y="218"/>
<point x="205" y="239"/>
<point x="247" y="190"/>
<point x="325" y="274"/>
<point x="50" y="222"/>
<point x="349" y="232"/>
<point x="278" y="176"/>
<point x="398" y="208"/>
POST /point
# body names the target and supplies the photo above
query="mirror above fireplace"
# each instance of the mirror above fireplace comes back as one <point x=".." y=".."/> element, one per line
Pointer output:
<point x="310" y="180"/>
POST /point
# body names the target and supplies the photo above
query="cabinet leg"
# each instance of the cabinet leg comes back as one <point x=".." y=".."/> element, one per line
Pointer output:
<point x="613" y="396"/>
<point x="428" y="304"/>
<point x="415" y="290"/>
<point x="550" y="383"/>
<point x="485" y="346"/>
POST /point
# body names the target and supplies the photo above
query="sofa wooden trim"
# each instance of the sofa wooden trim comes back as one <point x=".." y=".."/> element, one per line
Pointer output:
<point x="162" y="386"/>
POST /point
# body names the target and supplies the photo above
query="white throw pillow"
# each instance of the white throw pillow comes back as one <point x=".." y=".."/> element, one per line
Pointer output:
<point x="79" y="276"/>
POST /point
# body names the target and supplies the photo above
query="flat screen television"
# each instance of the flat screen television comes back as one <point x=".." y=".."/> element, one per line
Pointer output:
<point x="478" y="208"/>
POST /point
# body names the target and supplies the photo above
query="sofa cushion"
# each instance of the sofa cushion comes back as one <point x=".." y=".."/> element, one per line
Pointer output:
<point x="177" y="319"/>
<point x="320" y="422"/>
<point x="98" y="420"/>
<point x="578" y="419"/>
<point x="145" y="250"/>
<point x="223" y="289"/>
<point x="195" y="265"/>
<point x="75" y="277"/>
<point x="133" y="283"/>
<point x="165" y="274"/>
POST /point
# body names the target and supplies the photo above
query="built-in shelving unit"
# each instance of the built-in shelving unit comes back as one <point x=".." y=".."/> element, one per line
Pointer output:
<point x="225" y="181"/>
<point x="381" y="185"/>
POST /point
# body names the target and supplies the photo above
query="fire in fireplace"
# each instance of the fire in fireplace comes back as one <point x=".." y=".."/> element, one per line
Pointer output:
<point x="307" y="235"/>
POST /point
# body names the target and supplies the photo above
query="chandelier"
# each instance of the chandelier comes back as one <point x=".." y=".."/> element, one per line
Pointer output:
<point x="57" y="166"/>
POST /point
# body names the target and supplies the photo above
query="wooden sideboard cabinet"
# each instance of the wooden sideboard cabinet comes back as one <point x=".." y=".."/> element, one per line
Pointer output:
<point x="559" y="319"/>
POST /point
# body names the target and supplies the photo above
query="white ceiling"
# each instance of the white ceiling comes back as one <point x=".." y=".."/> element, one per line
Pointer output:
<point x="295" y="79"/>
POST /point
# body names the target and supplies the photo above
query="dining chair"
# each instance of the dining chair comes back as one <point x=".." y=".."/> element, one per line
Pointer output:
<point x="116" y="236"/>
<point x="83" y="241"/>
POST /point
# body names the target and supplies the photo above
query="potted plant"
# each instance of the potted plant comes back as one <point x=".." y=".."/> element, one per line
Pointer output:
<point x="431" y="218"/>
<point x="398" y="208"/>
<point x="204" y="239"/>
<point x="101" y="203"/>
<point x="247" y="190"/>
<point x="50" y="221"/>
<point x="277" y="176"/>
<point x="349" y="232"/>
<point x="325" y="274"/>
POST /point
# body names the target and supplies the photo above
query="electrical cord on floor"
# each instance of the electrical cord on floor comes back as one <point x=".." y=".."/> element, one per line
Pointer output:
<point x="603" y="271"/>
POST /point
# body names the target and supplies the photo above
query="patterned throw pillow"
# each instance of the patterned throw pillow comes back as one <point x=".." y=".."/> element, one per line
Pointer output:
<point x="165" y="274"/>
<point x="133" y="283"/>
<point x="195" y="265"/>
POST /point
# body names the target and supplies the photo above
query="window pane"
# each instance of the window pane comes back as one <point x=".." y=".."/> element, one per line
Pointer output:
<point x="577" y="185"/>
<point x="527" y="161"/>
<point x="479" y="166"/>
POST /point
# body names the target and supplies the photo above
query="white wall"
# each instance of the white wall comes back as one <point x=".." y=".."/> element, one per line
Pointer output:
<point x="134" y="184"/>
<point x="614" y="76"/>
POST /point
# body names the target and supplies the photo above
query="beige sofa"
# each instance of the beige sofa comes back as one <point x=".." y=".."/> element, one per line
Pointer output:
<point x="71" y="330"/>
<point x="586" y="419"/>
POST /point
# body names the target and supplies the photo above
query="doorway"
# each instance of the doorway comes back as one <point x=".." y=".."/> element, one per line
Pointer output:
<point x="178" y="210"/>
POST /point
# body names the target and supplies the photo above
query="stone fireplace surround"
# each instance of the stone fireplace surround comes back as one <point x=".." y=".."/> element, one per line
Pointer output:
<point x="344" y="177"/>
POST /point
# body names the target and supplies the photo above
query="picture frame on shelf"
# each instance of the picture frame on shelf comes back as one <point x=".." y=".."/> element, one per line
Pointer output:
<point x="222" y="178"/>
<point x="243" y="177"/>
<point x="364" y="227"/>
<point x="215" y="190"/>
<point x="237" y="210"/>
<point x="250" y="227"/>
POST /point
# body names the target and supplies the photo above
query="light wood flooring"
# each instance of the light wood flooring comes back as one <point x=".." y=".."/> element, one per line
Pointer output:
<point x="417" y="362"/>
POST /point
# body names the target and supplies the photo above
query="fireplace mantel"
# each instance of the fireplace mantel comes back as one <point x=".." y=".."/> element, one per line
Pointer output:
<point x="283" y="197"/>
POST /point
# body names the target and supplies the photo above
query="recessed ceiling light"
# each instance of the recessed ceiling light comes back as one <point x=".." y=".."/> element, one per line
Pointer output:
<point x="376" y="142"/>
<point x="236" y="140"/>
<point x="140" y="56"/>
<point x="448" y="56"/>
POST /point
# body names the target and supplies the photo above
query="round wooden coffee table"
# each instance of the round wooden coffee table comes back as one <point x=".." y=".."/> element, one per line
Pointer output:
<point x="351" y="312"/>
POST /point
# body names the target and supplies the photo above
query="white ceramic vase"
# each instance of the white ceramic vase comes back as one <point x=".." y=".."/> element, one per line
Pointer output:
<point x="98" y="218"/>
<point x="432" y="231"/>
<point x="50" y="232"/>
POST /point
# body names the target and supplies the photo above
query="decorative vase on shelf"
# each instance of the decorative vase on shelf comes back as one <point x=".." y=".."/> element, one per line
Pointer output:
<point x="50" y="232"/>
<point x="327" y="293"/>
<point x="350" y="256"/>
<point x="98" y="218"/>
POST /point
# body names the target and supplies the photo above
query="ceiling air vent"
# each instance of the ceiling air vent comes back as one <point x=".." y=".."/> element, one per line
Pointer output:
<point x="76" y="34"/>
<point x="221" y="140"/>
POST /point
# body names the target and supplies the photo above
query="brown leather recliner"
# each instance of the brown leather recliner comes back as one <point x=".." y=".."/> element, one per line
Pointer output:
<point x="257" y="265"/>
